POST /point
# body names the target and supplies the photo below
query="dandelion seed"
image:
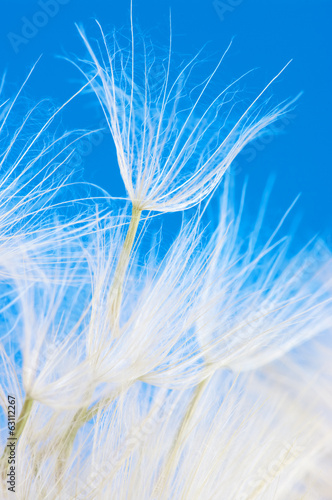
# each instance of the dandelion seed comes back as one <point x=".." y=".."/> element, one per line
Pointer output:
<point x="168" y="159"/>
<point x="167" y="163"/>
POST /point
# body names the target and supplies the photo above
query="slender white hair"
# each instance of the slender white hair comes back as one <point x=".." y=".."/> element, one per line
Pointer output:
<point x="172" y="153"/>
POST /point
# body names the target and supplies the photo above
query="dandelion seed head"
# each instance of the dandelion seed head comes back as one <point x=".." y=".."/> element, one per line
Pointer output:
<point x="172" y="151"/>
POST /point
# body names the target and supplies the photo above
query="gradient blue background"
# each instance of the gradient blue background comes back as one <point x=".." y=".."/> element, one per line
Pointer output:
<point x="267" y="34"/>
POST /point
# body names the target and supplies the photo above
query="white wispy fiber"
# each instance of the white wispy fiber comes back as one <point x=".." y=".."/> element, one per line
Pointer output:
<point x="171" y="153"/>
<point x="186" y="370"/>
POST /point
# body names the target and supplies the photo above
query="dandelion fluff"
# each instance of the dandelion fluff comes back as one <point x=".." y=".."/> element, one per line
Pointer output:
<point x="202" y="371"/>
<point x="171" y="156"/>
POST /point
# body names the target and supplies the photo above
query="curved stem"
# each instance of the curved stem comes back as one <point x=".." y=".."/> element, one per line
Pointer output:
<point x="115" y="295"/>
<point x="180" y="437"/>
<point x="83" y="415"/>
<point x="21" y="422"/>
<point x="23" y="418"/>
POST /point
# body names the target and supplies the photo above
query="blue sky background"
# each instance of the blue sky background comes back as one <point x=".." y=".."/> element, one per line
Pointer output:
<point x="266" y="35"/>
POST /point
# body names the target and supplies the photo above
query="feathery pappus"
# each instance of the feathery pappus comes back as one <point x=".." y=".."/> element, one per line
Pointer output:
<point x="140" y="369"/>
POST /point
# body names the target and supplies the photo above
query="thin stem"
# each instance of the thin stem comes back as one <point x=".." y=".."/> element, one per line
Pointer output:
<point x="83" y="415"/>
<point x="23" y="418"/>
<point x="115" y="296"/>
<point x="67" y="441"/>
<point x="180" y="437"/>
<point x="21" y="422"/>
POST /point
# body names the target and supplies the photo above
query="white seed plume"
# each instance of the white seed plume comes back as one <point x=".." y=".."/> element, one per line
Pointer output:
<point x="171" y="153"/>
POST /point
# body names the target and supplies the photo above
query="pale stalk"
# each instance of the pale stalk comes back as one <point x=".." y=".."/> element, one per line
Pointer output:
<point x="67" y="441"/>
<point x="115" y="295"/>
<point x="21" y="422"/>
<point x="171" y="461"/>
<point x="83" y="415"/>
<point x="23" y="418"/>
